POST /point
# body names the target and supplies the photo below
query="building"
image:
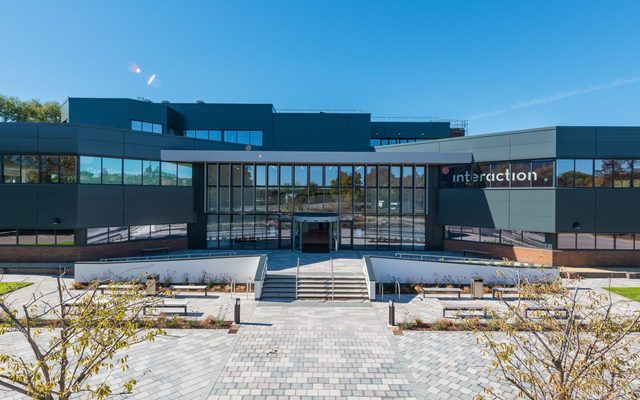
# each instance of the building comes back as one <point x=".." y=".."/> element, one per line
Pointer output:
<point x="121" y="177"/>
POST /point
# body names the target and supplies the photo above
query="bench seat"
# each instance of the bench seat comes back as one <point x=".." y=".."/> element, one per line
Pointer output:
<point x="187" y="288"/>
<point x="165" y="304"/>
<point x="464" y="308"/>
<point x="441" y="290"/>
<point x="550" y="309"/>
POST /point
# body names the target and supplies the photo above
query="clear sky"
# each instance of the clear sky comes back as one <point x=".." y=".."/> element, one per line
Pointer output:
<point x="501" y="64"/>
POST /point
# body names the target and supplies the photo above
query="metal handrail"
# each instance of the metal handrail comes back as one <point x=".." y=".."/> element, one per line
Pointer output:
<point x="470" y="260"/>
<point x="233" y="288"/>
<point x="170" y="257"/>
<point x="249" y="284"/>
<point x="297" y="273"/>
<point x="397" y="288"/>
<point x="381" y="290"/>
<point x="333" y="283"/>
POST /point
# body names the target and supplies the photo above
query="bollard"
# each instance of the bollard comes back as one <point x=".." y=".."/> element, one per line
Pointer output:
<point x="236" y="312"/>
<point x="392" y="313"/>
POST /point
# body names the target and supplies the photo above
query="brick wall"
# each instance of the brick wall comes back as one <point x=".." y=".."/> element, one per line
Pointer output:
<point x="560" y="258"/>
<point x="86" y="253"/>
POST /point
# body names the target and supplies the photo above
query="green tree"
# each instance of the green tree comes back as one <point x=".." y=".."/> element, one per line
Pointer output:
<point x="12" y="109"/>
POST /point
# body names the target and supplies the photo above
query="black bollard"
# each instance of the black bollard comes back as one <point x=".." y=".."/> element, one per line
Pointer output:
<point x="392" y="313"/>
<point x="236" y="312"/>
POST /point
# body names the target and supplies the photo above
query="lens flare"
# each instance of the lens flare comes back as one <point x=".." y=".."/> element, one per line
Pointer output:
<point x="133" y="67"/>
<point x="151" y="79"/>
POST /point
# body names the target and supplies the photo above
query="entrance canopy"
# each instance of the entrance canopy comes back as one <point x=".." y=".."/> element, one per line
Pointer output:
<point x="320" y="157"/>
<point x="315" y="217"/>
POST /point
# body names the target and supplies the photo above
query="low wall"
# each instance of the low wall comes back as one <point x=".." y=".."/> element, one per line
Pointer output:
<point x="242" y="269"/>
<point x="69" y="254"/>
<point x="390" y="269"/>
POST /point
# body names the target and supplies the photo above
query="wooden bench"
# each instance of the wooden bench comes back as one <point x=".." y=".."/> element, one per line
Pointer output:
<point x="554" y="310"/>
<point x="441" y="290"/>
<point x="155" y="250"/>
<point x="118" y="287"/>
<point x="165" y="304"/>
<point x="475" y="253"/>
<point x="187" y="288"/>
<point x="464" y="308"/>
<point x="498" y="292"/>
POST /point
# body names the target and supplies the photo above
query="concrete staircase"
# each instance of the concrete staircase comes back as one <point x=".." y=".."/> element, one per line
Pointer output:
<point x="314" y="287"/>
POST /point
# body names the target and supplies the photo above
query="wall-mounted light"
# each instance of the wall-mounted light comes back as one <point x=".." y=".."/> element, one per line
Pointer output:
<point x="57" y="221"/>
<point x="576" y="226"/>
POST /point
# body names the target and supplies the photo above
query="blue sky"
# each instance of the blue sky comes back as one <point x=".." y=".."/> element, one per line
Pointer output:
<point x="501" y="64"/>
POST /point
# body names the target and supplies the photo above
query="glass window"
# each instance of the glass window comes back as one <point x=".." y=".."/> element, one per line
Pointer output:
<point x="249" y="199"/>
<point x="202" y="134"/>
<point x="111" y="171"/>
<point x="236" y="175"/>
<point x="511" y="238"/>
<point x="500" y="177"/>
<point x="489" y="235"/>
<point x="358" y="176"/>
<point x="636" y="173"/>
<point x="566" y="240"/>
<point x="150" y="172"/>
<point x="420" y="177"/>
<point x="50" y="169"/>
<point x="622" y="170"/>
<point x="224" y="203"/>
<point x="256" y="138"/>
<point x="215" y="135"/>
<point x="371" y="175"/>
<point x="136" y="125"/>
<point x="383" y="176"/>
<point x="604" y="242"/>
<point x="407" y="201"/>
<point x="212" y="198"/>
<point x="132" y="172"/>
<point x="46" y="237"/>
<point x="534" y="239"/>
<point x="160" y="231"/>
<point x="30" y="169"/>
<point x="261" y="175"/>
<point x="185" y="174"/>
<point x="272" y="200"/>
<point x="178" y="229"/>
<point x="249" y="175"/>
<point x="157" y="128"/>
<point x="452" y="232"/>
<point x="374" y="142"/>
<point x="407" y="175"/>
<point x="118" y="234"/>
<point x="147" y="126"/>
<point x="470" y="234"/>
<point x="585" y="241"/>
<point x="542" y="173"/>
<point x="272" y="175"/>
<point x="225" y="175"/>
<point x="27" y="236"/>
<point x="90" y="169"/>
<point x="624" y="242"/>
<point x="230" y="136"/>
<point x="395" y="176"/>
<point x="97" y="235"/>
<point x="139" y="232"/>
<point x="212" y="174"/>
<point x="8" y="237"/>
<point x="394" y="201"/>
<point x="286" y="175"/>
<point x="564" y="173"/>
<point x="261" y="199"/>
<point x="11" y="169"/>
<point x="169" y="173"/>
<point x="520" y="174"/>
<point x="301" y="175"/>
<point x="584" y="173"/>
<point x="331" y="175"/>
<point x="190" y="133"/>
<point x="68" y="169"/>
<point x="420" y="202"/>
<point x="315" y="173"/>
<point x="236" y="199"/>
<point x="603" y="173"/>
<point x="243" y="137"/>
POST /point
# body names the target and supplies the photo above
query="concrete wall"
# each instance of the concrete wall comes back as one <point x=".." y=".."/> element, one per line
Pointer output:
<point x="390" y="269"/>
<point x="242" y="269"/>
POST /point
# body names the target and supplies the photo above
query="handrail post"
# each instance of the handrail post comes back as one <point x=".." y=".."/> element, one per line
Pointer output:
<point x="297" y="273"/>
<point x="233" y="288"/>
<point x="397" y="287"/>
<point x="333" y="285"/>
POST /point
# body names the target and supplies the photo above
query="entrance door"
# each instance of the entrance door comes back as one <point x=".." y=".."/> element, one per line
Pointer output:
<point x="316" y="237"/>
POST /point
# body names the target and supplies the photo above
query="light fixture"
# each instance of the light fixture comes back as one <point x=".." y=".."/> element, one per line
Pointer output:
<point x="576" y="226"/>
<point x="57" y="221"/>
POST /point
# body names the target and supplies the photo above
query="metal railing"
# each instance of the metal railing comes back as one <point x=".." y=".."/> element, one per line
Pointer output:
<point x="381" y="290"/>
<point x="333" y="282"/>
<point x="233" y="288"/>
<point x="189" y="256"/>
<point x="297" y="273"/>
<point x="250" y="283"/>
<point x="431" y="257"/>
<point x="396" y="286"/>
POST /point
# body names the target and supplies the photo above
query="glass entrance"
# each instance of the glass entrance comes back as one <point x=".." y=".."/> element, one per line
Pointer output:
<point x="315" y="233"/>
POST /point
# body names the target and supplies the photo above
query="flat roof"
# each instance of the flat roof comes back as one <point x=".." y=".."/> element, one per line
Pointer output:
<point x="321" y="157"/>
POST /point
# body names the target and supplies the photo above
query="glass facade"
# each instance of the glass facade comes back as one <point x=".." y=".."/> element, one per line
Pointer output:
<point x="251" y="206"/>
<point x="498" y="236"/>
<point x="253" y="138"/>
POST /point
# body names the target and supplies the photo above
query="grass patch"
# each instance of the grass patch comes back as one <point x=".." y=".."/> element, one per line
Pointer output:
<point x="8" y="287"/>
<point x="632" y="293"/>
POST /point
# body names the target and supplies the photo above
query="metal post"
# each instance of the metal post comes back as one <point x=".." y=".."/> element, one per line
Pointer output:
<point x="236" y="312"/>
<point x="392" y="313"/>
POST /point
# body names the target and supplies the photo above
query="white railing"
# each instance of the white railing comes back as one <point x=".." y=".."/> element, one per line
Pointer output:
<point x="189" y="256"/>
<point x="297" y="274"/>
<point x="397" y="288"/>
<point x="249" y="285"/>
<point x="333" y="283"/>
<point x="233" y="288"/>
<point x="381" y="290"/>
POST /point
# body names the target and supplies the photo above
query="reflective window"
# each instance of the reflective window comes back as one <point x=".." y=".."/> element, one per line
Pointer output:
<point x="286" y="175"/>
<point x="520" y="173"/>
<point x="243" y="137"/>
<point x="315" y="173"/>
<point x="212" y="174"/>
<point x="624" y="242"/>
<point x="132" y="172"/>
<point x="11" y="169"/>
<point x="145" y="126"/>
<point x="564" y="173"/>
<point x="90" y="169"/>
<point x="256" y="138"/>
<point x="8" y="237"/>
<point x="230" y="136"/>
<point x="584" y="173"/>
<point x="68" y="169"/>
<point x="301" y="175"/>
<point x="215" y="135"/>
<point x="586" y="241"/>
<point x="622" y="170"/>
<point x="566" y="240"/>
<point x="272" y="175"/>
<point x="27" y="237"/>
<point x="169" y="172"/>
<point x="111" y="171"/>
<point x="150" y="172"/>
<point x="603" y="173"/>
<point x="30" y="169"/>
<point x="331" y="176"/>
<point x="489" y="235"/>
<point x="185" y="174"/>
<point x="604" y="242"/>
<point x="420" y="177"/>
<point x="50" y="169"/>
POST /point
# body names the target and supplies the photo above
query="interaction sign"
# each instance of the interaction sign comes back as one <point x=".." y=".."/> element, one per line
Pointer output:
<point x="537" y="173"/>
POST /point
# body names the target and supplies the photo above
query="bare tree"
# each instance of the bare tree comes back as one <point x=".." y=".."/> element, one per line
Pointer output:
<point x="571" y="343"/>
<point x="72" y="336"/>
